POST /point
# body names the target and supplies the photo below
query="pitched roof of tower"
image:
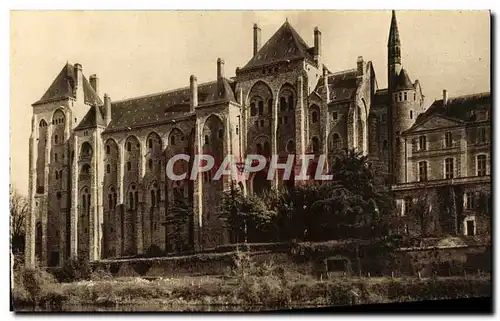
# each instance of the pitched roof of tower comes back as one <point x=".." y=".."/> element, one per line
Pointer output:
<point x="462" y="108"/>
<point x="342" y="85"/>
<point x="403" y="81"/>
<point x="164" y="106"/>
<point x="63" y="87"/>
<point x="393" y="31"/>
<point x="92" y="119"/>
<point x="285" y="44"/>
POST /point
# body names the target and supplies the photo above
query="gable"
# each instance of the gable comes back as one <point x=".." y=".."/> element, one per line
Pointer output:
<point x="434" y="122"/>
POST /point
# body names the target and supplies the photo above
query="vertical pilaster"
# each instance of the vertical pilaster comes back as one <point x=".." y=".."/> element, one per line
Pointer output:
<point x="141" y="208"/>
<point x="119" y="210"/>
<point x="74" y="200"/>
<point x="274" y="139"/>
<point x="46" y="196"/>
<point x="197" y="193"/>
<point x="300" y="146"/>
<point x="30" y="240"/>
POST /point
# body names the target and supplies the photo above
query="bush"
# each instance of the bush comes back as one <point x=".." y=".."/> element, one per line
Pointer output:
<point x="154" y="251"/>
<point x="35" y="287"/>
<point x="74" y="269"/>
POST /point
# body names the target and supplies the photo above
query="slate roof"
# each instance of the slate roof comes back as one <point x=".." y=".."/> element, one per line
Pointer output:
<point x="342" y="85"/>
<point x="164" y="106"/>
<point x="462" y="108"/>
<point x="403" y="81"/>
<point x="393" y="31"/>
<point x="63" y="87"/>
<point x="285" y="44"/>
<point x="90" y="120"/>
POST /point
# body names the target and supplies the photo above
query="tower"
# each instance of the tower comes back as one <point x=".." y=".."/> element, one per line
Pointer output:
<point x="405" y="104"/>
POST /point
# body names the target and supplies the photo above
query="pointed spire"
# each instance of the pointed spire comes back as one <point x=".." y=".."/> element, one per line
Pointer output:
<point x="394" y="32"/>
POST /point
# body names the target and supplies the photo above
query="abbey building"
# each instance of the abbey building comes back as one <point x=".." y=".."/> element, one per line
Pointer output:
<point x="98" y="186"/>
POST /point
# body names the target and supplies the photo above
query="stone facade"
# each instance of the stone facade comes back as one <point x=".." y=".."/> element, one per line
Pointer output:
<point x="98" y="185"/>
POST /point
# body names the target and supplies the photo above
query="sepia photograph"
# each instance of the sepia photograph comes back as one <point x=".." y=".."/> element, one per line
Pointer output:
<point x="250" y="161"/>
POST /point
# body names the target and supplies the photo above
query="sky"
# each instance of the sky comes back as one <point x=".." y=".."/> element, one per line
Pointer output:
<point x="135" y="53"/>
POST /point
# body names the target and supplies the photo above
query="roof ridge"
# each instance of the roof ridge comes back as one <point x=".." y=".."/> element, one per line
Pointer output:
<point x="164" y="92"/>
<point x="342" y="72"/>
<point x="477" y="95"/>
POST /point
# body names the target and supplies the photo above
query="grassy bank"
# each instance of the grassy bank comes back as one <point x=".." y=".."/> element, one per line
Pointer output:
<point x="248" y="286"/>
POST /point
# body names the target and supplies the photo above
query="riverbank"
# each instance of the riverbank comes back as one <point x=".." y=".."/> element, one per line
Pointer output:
<point x="253" y="293"/>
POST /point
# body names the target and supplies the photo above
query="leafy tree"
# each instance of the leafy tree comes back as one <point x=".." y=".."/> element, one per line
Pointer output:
<point x="179" y="212"/>
<point x="484" y="208"/>
<point x="18" y="215"/>
<point x="419" y="215"/>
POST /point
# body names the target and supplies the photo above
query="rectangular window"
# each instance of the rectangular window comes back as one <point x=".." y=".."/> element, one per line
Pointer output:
<point x="422" y="171"/>
<point x="405" y="96"/>
<point x="383" y="118"/>
<point x="448" y="168"/>
<point x="422" y="143"/>
<point x="470" y="200"/>
<point x="471" y="227"/>
<point x="481" y="135"/>
<point x="481" y="165"/>
<point x="400" y="97"/>
<point x="448" y="140"/>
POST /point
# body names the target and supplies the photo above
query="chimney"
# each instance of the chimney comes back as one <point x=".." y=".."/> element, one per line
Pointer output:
<point x="317" y="42"/>
<point x="220" y="69"/>
<point x="94" y="83"/>
<point x="361" y="66"/>
<point x="256" y="39"/>
<point x="107" y="108"/>
<point x="193" y="84"/>
<point x="78" y="74"/>
<point x="445" y="97"/>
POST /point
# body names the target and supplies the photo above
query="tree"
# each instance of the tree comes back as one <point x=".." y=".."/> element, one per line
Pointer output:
<point x="179" y="212"/>
<point x="484" y="208"/>
<point x="18" y="214"/>
<point x="420" y="213"/>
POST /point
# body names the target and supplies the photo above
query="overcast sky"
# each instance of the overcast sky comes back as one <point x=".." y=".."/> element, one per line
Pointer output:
<point x="136" y="53"/>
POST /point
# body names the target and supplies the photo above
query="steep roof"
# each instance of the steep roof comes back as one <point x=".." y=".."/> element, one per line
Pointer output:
<point x="465" y="108"/>
<point x="403" y="81"/>
<point x="342" y="85"/>
<point x="92" y="119"/>
<point x="285" y="44"/>
<point x="393" y="31"/>
<point x="381" y="98"/>
<point x="63" y="87"/>
<point x="164" y="106"/>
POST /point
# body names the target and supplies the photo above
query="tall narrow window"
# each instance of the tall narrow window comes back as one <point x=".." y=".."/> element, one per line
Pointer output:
<point x="56" y="139"/>
<point x="129" y="166"/>
<point x="405" y="96"/>
<point x="290" y="103"/>
<point x="261" y="108"/>
<point x="448" y="168"/>
<point x="481" y="135"/>
<point x="400" y="96"/>
<point x="470" y="198"/>
<point x="448" y="140"/>
<point x="150" y="143"/>
<point x="153" y="198"/>
<point x="131" y="200"/>
<point x="221" y="134"/>
<point x="481" y="165"/>
<point x="315" y="145"/>
<point x="172" y="140"/>
<point x="108" y="168"/>
<point x="253" y="110"/>
<point x="411" y="114"/>
<point x="314" y="117"/>
<point x="270" y="106"/>
<point x="129" y="146"/>
<point x="282" y="103"/>
<point x="108" y="149"/>
<point x="422" y="143"/>
<point x="422" y="171"/>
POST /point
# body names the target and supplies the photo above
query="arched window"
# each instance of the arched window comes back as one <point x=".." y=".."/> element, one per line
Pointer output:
<point x="56" y="139"/>
<point x="267" y="149"/>
<point x="270" y="106"/>
<point x="221" y="134"/>
<point x="129" y="146"/>
<point x="315" y="144"/>
<point x="283" y="104"/>
<point x="172" y="140"/>
<point x="129" y="166"/>
<point x="108" y="149"/>
<point x="150" y="143"/>
<point x="108" y="168"/>
<point x="411" y="114"/>
<point x="290" y="103"/>
<point x="150" y="163"/>
<point x="207" y="140"/>
<point x="43" y="123"/>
